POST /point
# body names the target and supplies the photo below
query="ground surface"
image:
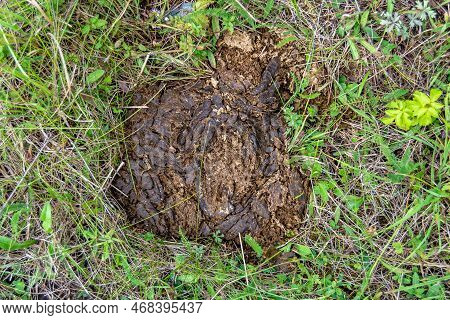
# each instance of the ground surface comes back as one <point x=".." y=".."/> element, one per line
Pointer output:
<point x="376" y="221"/>
<point x="211" y="155"/>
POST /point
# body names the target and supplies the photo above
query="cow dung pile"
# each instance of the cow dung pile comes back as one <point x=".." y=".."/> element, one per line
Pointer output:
<point x="209" y="156"/>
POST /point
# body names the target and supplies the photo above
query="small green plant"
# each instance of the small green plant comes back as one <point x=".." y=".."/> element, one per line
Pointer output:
<point x="218" y="237"/>
<point x="201" y="25"/>
<point x="293" y="119"/>
<point x="228" y="22"/>
<point x="426" y="108"/>
<point x="400" y="112"/>
<point x="424" y="11"/>
<point x="393" y="23"/>
<point x="422" y="110"/>
<point x="420" y="14"/>
<point x="94" y="23"/>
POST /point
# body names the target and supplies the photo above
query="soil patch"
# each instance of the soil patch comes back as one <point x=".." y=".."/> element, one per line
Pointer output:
<point x="210" y="155"/>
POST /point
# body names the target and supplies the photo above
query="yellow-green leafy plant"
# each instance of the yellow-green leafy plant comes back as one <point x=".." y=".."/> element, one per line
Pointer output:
<point x="422" y="110"/>
<point x="402" y="113"/>
<point x="426" y="108"/>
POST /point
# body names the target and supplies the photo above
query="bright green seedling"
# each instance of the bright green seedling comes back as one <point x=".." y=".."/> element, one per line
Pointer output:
<point x="422" y="110"/>
<point x="426" y="108"/>
<point x="401" y="112"/>
<point x="94" y="23"/>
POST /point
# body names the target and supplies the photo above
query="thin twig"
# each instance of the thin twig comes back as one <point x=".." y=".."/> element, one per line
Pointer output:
<point x="243" y="259"/>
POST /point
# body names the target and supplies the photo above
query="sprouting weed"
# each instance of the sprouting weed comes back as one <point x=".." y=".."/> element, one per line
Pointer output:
<point x="217" y="236"/>
<point x="94" y="23"/>
<point x="414" y="21"/>
<point x="400" y="112"/>
<point x="228" y="23"/>
<point x="426" y="107"/>
<point x="393" y="23"/>
<point x="419" y="16"/>
<point x="424" y="11"/>
<point x="293" y="119"/>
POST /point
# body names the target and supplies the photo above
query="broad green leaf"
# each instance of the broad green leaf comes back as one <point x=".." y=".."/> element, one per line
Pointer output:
<point x="105" y="253"/>
<point x="425" y="118"/>
<point x="211" y="59"/>
<point x="12" y="245"/>
<point x="421" y="98"/>
<point x="85" y="30"/>
<point x="354" y="202"/>
<point x="387" y="47"/>
<point x="435" y="94"/>
<point x="403" y="121"/>
<point x="285" y="41"/>
<point x="268" y="8"/>
<point x="436" y="106"/>
<point x="390" y="6"/>
<point x="322" y="189"/>
<point x="387" y="120"/>
<point x="436" y="291"/>
<point x="394" y="269"/>
<point x="310" y="96"/>
<point x="98" y="23"/>
<point x="372" y="34"/>
<point x="254" y="245"/>
<point x="337" y="215"/>
<point x="303" y="250"/>
<point x="401" y="112"/>
<point x="19" y="287"/>
<point x="349" y="24"/>
<point x="398" y="247"/>
<point x="94" y="76"/>
<point x="394" y="95"/>
<point x="188" y="278"/>
<point x="368" y="46"/>
<point x="215" y="25"/>
<point x="46" y="217"/>
<point x="353" y="49"/>
<point x="364" y="18"/>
